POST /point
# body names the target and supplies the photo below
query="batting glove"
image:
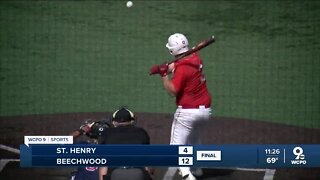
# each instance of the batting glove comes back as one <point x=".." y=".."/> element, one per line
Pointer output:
<point x="163" y="69"/>
<point x="154" y="70"/>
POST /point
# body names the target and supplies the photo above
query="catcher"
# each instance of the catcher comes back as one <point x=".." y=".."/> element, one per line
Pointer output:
<point x="92" y="130"/>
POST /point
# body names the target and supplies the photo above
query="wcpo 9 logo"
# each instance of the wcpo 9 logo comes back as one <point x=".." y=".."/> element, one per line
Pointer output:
<point x="299" y="159"/>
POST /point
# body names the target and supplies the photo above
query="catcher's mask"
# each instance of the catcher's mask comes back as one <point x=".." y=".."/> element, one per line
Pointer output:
<point x="123" y="117"/>
<point x="98" y="128"/>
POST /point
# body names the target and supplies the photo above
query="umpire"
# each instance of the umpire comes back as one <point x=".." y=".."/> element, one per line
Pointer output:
<point x="124" y="132"/>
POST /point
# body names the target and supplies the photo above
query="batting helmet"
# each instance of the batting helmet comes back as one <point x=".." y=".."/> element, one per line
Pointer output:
<point x="177" y="44"/>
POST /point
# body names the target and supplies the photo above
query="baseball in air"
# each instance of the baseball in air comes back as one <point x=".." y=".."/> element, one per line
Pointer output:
<point x="129" y="4"/>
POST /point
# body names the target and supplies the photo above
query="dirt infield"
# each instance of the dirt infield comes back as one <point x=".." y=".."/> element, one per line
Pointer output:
<point x="219" y="131"/>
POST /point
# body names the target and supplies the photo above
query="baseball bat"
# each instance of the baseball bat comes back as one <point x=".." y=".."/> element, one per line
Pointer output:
<point x="196" y="48"/>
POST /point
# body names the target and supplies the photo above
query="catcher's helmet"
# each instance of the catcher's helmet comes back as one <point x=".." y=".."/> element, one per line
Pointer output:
<point x="177" y="44"/>
<point x="98" y="128"/>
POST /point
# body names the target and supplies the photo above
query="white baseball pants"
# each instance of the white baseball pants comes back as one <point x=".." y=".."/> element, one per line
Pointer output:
<point x="186" y="128"/>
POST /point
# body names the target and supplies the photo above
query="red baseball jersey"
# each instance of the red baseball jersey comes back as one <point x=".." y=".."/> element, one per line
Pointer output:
<point x="190" y="83"/>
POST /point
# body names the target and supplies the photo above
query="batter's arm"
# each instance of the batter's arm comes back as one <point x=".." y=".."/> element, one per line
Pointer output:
<point x="168" y="86"/>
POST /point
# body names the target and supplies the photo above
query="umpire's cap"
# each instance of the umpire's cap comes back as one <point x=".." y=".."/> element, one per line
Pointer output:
<point x="123" y="115"/>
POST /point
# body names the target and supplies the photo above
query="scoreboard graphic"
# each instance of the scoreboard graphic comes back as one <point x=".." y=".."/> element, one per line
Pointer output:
<point x="246" y="156"/>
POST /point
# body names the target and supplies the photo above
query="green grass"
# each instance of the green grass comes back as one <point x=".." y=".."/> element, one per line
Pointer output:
<point x="93" y="56"/>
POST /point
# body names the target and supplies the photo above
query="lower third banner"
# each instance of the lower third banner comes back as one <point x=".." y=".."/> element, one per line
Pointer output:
<point x="248" y="156"/>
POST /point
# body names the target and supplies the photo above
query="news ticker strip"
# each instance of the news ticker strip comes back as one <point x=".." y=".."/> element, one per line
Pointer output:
<point x="246" y="156"/>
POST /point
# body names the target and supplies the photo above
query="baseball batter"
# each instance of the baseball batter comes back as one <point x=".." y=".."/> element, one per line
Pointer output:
<point x="193" y="100"/>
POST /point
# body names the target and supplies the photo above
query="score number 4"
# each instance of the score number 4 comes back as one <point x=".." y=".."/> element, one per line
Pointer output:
<point x="186" y="150"/>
